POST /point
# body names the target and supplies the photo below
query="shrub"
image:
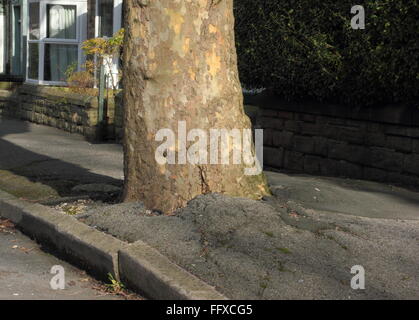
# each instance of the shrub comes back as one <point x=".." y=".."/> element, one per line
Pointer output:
<point x="99" y="51"/>
<point x="83" y="81"/>
<point x="106" y="50"/>
<point x="307" y="50"/>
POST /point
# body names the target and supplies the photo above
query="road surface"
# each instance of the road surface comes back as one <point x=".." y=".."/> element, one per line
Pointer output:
<point x="25" y="272"/>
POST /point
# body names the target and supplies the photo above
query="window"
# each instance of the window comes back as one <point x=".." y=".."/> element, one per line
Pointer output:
<point x="34" y="27"/>
<point x="108" y="17"/>
<point x="33" y="64"/>
<point x="56" y="30"/>
<point x="61" y="22"/>
<point x="105" y="13"/>
<point x="58" y="58"/>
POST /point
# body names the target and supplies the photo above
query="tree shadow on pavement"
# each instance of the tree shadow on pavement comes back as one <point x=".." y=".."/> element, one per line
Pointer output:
<point x="17" y="160"/>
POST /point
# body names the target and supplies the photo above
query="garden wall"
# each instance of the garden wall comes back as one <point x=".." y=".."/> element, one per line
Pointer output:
<point x="379" y="144"/>
<point x="61" y="109"/>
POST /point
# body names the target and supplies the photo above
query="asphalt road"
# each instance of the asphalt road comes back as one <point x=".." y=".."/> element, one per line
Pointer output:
<point x="25" y="272"/>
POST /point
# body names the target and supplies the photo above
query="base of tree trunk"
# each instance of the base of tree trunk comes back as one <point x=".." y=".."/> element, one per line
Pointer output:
<point x="181" y="67"/>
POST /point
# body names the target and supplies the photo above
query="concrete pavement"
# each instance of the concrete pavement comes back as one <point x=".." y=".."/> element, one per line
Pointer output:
<point x="57" y="161"/>
<point x="49" y="151"/>
<point x="39" y="163"/>
<point x="54" y="160"/>
<point x="352" y="197"/>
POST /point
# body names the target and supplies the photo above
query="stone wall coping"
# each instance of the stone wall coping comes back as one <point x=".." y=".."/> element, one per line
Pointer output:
<point x="55" y="93"/>
<point x="399" y="114"/>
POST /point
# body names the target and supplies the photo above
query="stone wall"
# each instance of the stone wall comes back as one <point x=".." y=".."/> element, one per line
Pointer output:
<point x="8" y="98"/>
<point x="61" y="109"/>
<point x="379" y="144"/>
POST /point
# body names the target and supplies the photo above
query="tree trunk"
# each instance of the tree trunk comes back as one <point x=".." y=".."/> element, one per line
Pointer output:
<point x="181" y="69"/>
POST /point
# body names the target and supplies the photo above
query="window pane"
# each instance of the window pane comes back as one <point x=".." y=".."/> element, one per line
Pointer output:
<point x="105" y="18"/>
<point x="34" y="20"/>
<point x="33" y="61"/>
<point x="58" y="58"/>
<point x="62" y="21"/>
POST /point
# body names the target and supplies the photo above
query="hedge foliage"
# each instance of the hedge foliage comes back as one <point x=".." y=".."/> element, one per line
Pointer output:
<point x="306" y="49"/>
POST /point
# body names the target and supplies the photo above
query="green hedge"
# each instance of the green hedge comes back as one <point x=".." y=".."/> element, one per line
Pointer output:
<point x="306" y="49"/>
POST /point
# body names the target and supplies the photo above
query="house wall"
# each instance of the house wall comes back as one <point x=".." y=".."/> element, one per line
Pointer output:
<point x="379" y="144"/>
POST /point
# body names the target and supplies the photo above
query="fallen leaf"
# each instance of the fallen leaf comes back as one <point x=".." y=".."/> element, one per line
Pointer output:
<point x="25" y="250"/>
<point x="71" y="283"/>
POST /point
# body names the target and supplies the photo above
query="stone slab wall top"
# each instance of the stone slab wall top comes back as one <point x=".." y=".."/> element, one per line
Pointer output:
<point x="406" y="115"/>
<point x="59" y="94"/>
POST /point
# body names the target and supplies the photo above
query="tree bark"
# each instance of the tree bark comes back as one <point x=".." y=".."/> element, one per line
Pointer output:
<point x="180" y="64"/>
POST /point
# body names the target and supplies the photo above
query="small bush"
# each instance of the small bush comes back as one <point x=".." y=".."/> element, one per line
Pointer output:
<point x="307" y="50"/>
<point x="98" y="51"/>
<point x="106" y="50"/>
<point x="81" y="82"/>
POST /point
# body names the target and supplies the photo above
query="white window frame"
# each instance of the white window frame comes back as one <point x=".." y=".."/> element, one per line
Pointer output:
<point x="81" y="35"/>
